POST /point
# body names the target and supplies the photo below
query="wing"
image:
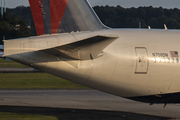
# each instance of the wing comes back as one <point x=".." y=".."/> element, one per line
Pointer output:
<point x="70" y="48"/>
<point x="86" y="49"/>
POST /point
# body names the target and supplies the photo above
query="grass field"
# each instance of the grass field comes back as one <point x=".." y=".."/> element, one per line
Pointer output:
<point x="32" y="80"/>
<point x="35" y="81"/>
<point x="13" y="116"/>
<point x="10" y="64"/>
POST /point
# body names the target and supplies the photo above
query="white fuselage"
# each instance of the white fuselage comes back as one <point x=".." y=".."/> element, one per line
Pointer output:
<point x="138" y="63"/>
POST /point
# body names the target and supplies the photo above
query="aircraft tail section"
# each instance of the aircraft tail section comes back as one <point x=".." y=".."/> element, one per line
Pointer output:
<point x="61" y="16"/>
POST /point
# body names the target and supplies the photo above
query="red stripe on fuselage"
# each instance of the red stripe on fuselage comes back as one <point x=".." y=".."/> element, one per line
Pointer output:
<point x="57" y="9"/>
<point x="37" y="12"/>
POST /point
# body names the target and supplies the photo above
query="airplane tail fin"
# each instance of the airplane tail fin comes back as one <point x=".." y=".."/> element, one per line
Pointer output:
<point x="61" y="16"/>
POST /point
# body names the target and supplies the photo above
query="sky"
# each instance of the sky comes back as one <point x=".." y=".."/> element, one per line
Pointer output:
<point x="123" y="3"/>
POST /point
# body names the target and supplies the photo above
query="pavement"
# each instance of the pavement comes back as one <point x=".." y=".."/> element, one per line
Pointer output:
<point x="87" y="102"/>
<point x="79" y="114"/>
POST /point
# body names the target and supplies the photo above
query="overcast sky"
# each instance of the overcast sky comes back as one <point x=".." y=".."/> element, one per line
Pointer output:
<point x="123" y="3"/>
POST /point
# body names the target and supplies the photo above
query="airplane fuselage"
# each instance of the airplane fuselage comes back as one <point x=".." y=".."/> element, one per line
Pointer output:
<point x="141" y="64"/>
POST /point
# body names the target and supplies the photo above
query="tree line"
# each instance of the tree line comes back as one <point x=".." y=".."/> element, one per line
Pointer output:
<point x="119" y="17"/>
<point x="15" y="22"/>
<point x="11" y="27"/>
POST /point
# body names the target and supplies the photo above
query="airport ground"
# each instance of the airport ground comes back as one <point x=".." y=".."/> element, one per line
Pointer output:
<point x="40" y="96"/>
<point x="81" y="105"/>
<point x="72" y="114"/>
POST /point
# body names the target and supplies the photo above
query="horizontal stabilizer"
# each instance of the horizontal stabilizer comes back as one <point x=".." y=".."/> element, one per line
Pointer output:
<point x="83" y="50"/>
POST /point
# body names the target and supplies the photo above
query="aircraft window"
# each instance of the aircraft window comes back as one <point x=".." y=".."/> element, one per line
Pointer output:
<point x="172" y="60"/>
<point x="154" y="59"/>
<point x="167" y="60"/>
<point x="139" y="59"/>
<point x="163" y="60"/>
<point x="158" y="60"/>
<point x="177" y="60"/>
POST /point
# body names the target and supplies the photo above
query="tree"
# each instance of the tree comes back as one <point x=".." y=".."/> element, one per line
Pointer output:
<point x="12" y="27"/>
<point x="119" y="17"/>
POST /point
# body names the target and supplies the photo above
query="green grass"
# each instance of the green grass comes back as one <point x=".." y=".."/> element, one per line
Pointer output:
<point x="5" y="61"/>
<point x="32" y="80"/>
<point x="35" y="81"/>
<point x="13" y="116"/>
<point x="10" y="64"/>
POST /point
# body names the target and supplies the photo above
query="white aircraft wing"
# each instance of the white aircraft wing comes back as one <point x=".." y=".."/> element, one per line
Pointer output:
<point x="85" y="49"/>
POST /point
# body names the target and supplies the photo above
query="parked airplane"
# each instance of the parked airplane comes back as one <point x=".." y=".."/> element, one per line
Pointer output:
<point x="138" y="64"/>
